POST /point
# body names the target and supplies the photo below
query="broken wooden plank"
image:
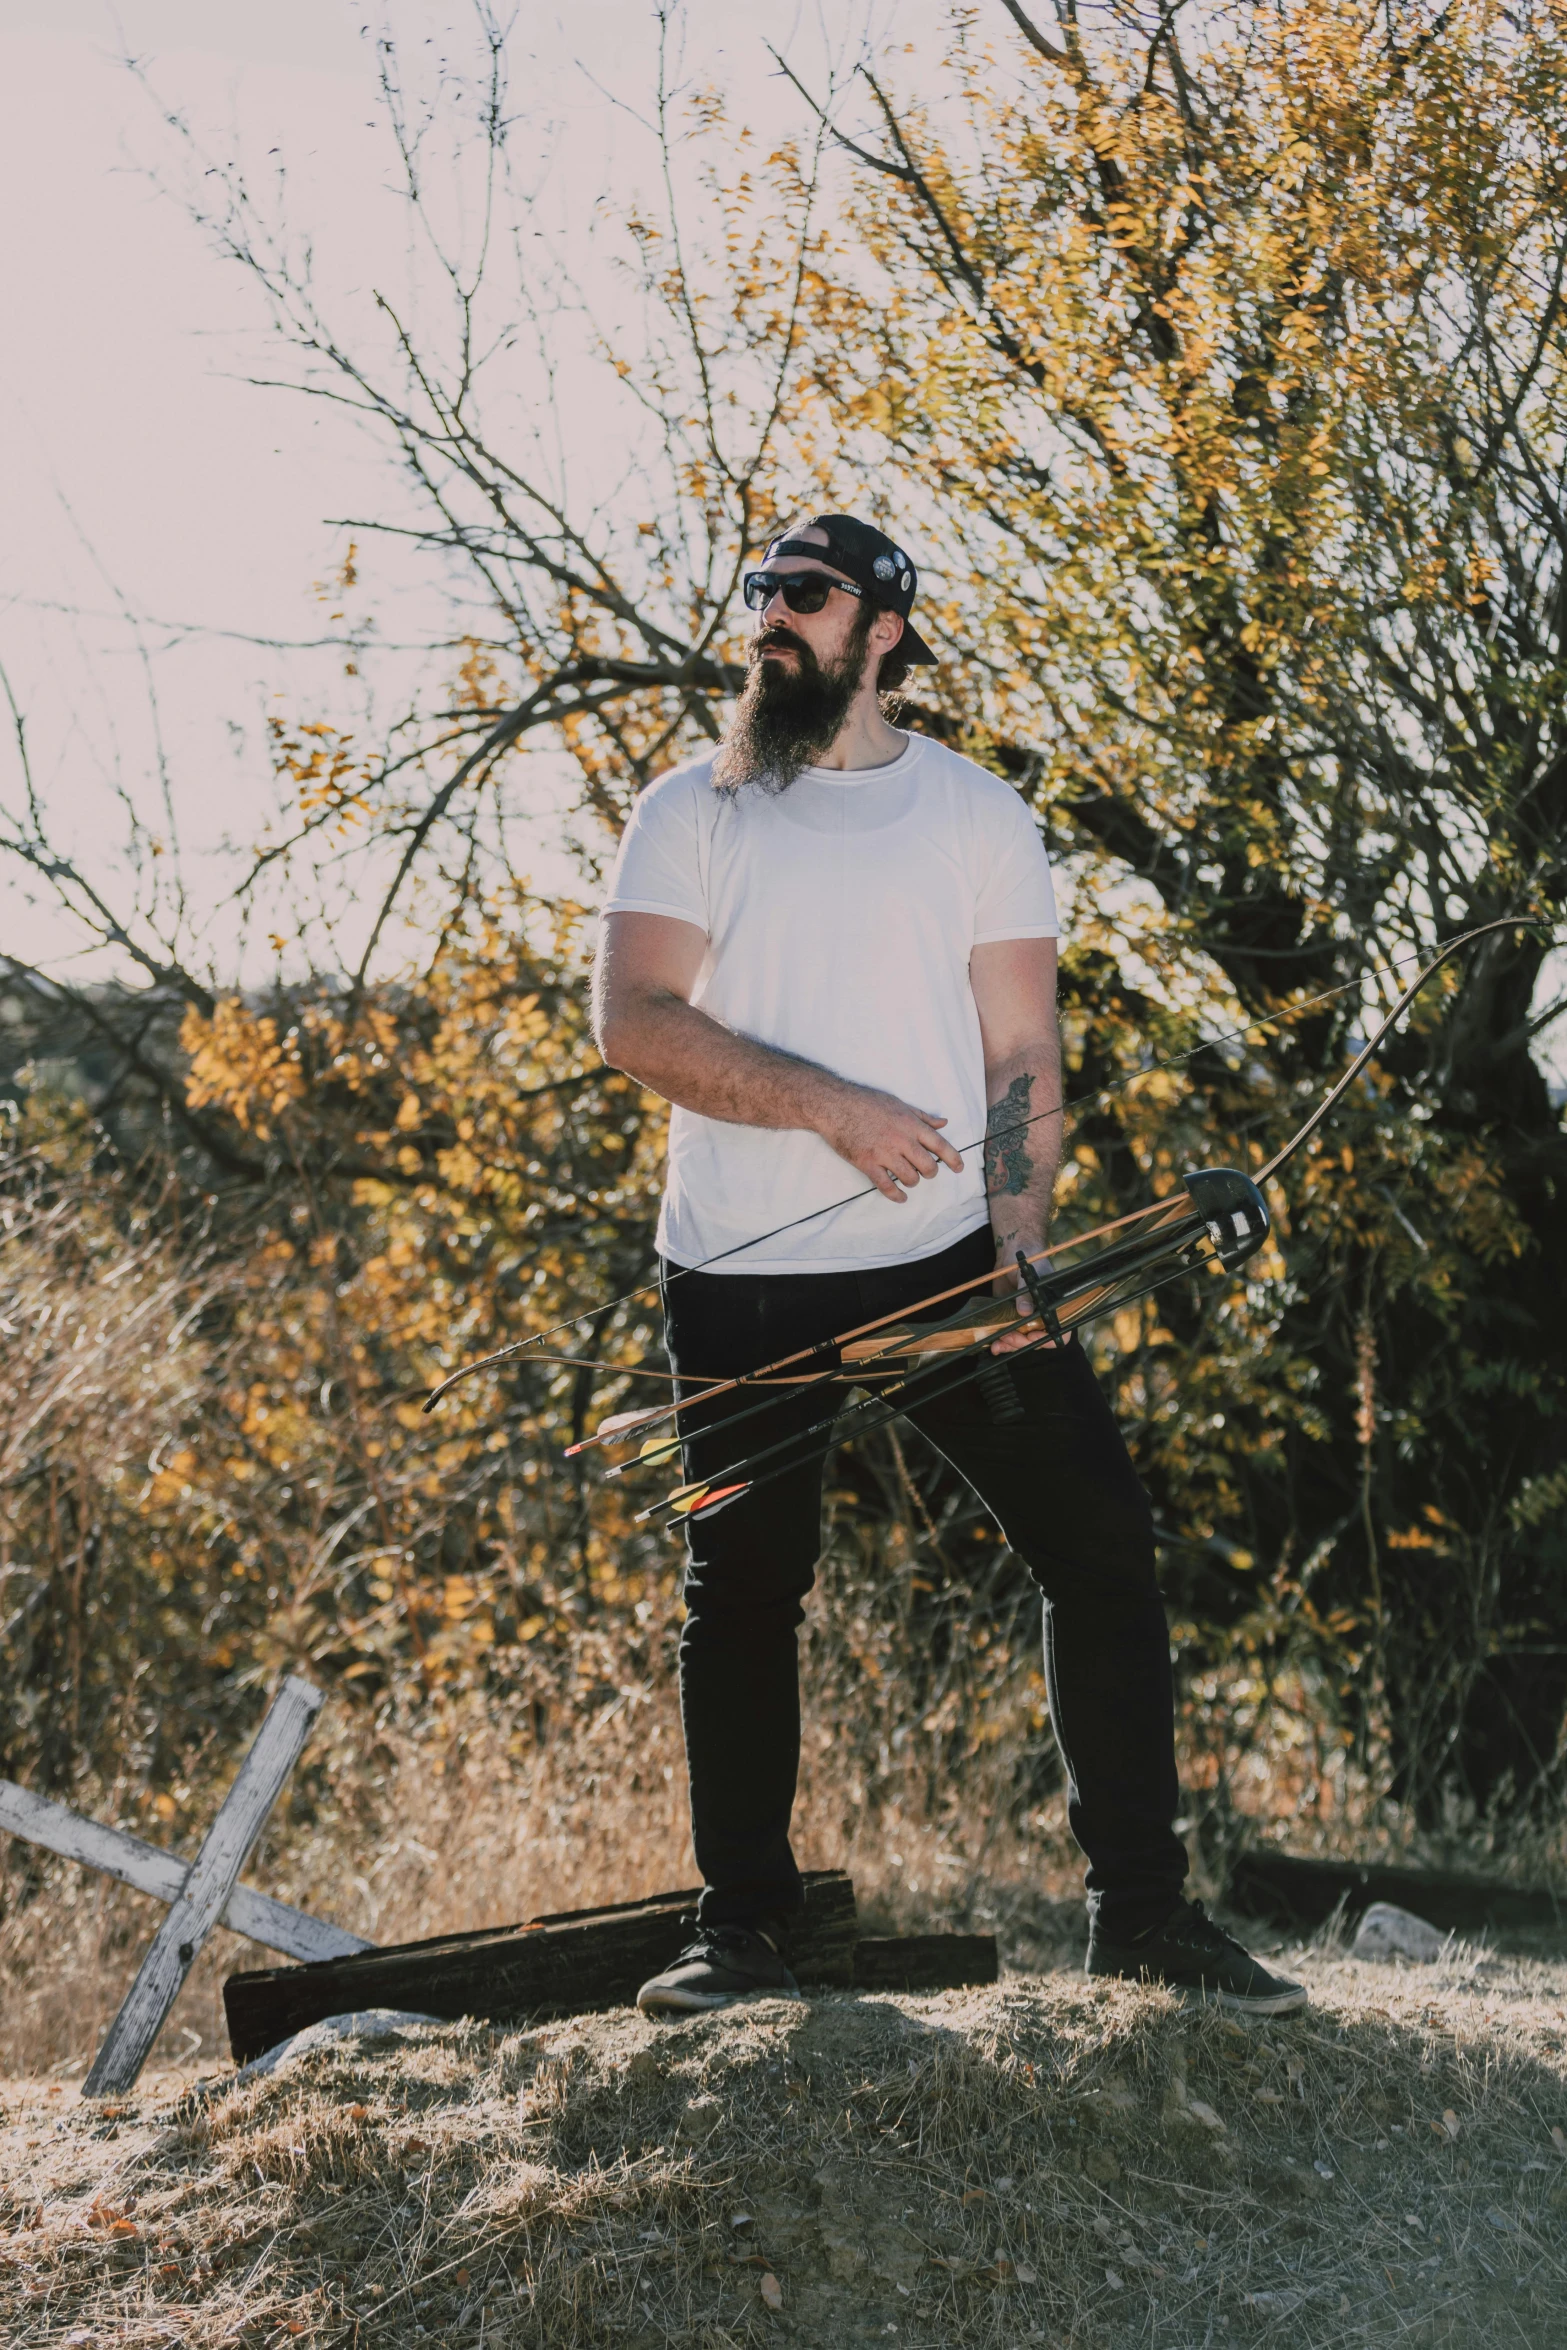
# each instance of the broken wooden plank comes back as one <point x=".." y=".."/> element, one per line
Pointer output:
<point x="206" y="1892"/>
<point x="1289" y="1890"/>
<point x="571" y="1964"/>
<point x="115" y="1852"/>
<point x="925" y="1962"/>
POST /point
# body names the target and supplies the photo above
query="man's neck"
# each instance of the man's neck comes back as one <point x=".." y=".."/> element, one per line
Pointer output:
<point x="864" y="739"/>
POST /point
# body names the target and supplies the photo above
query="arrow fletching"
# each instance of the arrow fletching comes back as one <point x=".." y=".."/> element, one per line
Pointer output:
<point x="620" y="1424"/>
<point x="690" y="1501"/>
<point x="719" y="1499"/>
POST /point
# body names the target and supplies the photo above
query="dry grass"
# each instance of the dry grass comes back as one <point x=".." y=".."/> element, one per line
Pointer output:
<point x="398" y="1851"/>
<point x="1046" y="2162"/>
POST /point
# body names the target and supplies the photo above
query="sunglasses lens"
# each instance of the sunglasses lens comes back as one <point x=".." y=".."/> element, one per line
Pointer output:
<point x="805" y="591"/>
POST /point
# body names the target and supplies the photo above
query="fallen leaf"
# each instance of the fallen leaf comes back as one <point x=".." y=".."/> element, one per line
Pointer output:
<point x="1269" y="2097"/>
<point x="1026" y="2276"/>
<point x="1115" y="2283"/>
<point x="1203" y="2113"/>
<point x="1558" y="2139"/>
<point x="975" y="2195"/>
<point x="465" y="2276"/>
<point x="1450" y="2123"/>
<point x="772" y="2291"/>
<point x="358" y="2113"/>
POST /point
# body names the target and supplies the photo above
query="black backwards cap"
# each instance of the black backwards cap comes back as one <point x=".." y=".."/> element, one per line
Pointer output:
<point x="874" y="562"/>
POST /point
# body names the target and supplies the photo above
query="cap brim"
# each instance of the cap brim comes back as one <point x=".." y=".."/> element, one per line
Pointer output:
<point x="911" y="646"/>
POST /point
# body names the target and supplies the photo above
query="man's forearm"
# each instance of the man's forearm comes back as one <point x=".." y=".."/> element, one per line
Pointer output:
<point x="693" y="1060"/>
<point x="1022" y="1146"/>
<point x="668" y="1045"/>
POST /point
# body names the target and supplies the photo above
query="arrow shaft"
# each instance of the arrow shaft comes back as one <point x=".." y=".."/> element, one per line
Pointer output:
<point x="868" y="1414"/>
<point x="843" y="1338"/>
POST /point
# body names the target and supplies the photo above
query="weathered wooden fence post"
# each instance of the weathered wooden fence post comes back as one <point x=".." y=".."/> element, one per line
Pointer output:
<point x="206" y="1889"/>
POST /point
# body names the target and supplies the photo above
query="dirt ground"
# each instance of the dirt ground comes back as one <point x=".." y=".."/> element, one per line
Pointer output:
<point x="1047" y="2161"/>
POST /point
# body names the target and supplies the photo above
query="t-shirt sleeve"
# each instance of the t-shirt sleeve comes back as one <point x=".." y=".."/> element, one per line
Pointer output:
<point x="659" y="867"/>
<point x="1016" y="897"/>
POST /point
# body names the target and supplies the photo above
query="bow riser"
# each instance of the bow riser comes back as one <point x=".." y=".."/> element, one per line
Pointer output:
<point x="1217" y="1203"/>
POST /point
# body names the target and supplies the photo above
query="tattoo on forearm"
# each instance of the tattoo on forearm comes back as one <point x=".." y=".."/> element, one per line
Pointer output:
<point x="1008" y="1167"/>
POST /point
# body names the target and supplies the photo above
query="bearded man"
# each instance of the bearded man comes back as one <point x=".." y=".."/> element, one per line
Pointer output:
<point x="832" y="946"/>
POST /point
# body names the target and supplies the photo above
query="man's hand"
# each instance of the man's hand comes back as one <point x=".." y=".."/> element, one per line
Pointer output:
<point x="886" y="1139"/>
<point x="645" y="1023"/>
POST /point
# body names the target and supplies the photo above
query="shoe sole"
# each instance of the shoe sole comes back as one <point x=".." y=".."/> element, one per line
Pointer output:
<point x="1287" y="2001"/>
<point x="704" y="2002"/>
<point x="1263" y="2003"/>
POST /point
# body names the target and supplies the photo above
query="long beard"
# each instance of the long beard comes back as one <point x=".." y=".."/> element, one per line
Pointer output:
<point x="785" y="719"/>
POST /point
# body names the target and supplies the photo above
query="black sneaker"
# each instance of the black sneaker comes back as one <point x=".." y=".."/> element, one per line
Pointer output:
<point x="1190" y="1953"/>
<point x="723" y="1964"/>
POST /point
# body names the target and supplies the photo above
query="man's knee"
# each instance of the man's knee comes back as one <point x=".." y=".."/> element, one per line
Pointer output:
<point x="743" y="1584"/>
<point x="1110" y="1563"/>
<point x="737" y="1622"/>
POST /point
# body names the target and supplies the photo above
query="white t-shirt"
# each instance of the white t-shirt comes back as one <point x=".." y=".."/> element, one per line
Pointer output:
<point x="839" y="917"/>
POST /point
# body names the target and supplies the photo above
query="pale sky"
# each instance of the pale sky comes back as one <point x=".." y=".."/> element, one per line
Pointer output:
<point x="137" y="473"/>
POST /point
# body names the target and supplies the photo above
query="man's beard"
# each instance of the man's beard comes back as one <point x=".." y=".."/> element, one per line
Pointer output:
<point x="787" y="717"/>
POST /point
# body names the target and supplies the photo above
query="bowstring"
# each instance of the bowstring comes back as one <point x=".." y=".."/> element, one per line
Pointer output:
<point x="1262" y="1024"/>
<point x="971" y="1360"/>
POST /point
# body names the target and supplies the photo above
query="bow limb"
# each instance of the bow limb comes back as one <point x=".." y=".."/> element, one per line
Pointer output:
<point x="1368" y="1051"/>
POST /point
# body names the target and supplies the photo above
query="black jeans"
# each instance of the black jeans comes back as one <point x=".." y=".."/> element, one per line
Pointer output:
<point x="1061" y="1486"/>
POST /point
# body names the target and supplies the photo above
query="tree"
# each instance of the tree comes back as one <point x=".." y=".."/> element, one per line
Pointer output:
<point x="1215" y="364"/>
<point x="1223" y="353"/>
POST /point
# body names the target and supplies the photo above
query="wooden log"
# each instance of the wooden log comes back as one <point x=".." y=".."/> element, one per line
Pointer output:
<point x="569" y="1964"/>
<point x="205" y="1894"/>
<point x="925" y="1962"/>
<point x="1289" y="1890"/>
<point x="152" y="1869"/>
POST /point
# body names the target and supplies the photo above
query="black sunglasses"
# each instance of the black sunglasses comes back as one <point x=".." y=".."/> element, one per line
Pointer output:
<point x="802" y="591"/>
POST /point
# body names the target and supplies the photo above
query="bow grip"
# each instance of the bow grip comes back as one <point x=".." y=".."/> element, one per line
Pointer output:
<point x="1042" y="1293"/>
